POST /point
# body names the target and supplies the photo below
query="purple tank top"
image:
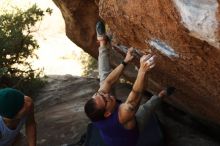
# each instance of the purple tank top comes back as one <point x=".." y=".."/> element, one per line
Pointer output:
<point x="114" y="134"/>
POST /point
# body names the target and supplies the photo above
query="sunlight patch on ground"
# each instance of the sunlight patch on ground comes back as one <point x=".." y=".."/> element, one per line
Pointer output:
<point x="61" y="59"/>
<point x="57" y="54"/>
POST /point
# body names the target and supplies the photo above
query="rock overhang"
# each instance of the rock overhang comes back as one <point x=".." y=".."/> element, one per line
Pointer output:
<point x="188" y="54"/>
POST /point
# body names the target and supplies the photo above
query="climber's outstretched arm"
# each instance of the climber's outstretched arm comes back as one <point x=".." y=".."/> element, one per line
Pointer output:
<point x="116" y="73"/>
<point x="128" y="109"/>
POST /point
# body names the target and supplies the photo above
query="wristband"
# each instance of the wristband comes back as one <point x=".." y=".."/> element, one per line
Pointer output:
<point x="124" y="63"/>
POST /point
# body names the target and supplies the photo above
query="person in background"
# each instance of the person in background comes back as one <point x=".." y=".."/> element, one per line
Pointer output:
<point x="16" y="110"/>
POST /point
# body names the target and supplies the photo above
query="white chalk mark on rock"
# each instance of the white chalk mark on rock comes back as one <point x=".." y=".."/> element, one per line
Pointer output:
<point x="199" y="17"/>
<point x="163" y="48"/>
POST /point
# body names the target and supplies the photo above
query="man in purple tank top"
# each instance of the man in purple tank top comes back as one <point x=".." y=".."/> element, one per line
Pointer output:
<point x="119" y="124"/>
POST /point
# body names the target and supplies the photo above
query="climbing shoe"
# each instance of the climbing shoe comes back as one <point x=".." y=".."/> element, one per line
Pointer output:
<point x="100" y="30"/>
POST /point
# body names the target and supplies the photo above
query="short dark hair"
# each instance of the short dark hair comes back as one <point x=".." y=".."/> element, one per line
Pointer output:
<point x="94" y="113"/>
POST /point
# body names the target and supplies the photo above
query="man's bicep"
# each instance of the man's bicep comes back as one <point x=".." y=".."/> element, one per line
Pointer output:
<point x="126" y="112"/>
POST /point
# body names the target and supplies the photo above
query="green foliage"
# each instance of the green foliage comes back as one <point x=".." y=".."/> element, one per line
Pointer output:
<point x="18" y="45"/>
<point x="89" y="65"/>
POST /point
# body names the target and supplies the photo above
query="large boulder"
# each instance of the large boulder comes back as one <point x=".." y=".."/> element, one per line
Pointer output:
<point x="184" y="34"/>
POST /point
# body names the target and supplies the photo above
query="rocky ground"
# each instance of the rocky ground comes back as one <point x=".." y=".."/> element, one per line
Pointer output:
<point x="61" y="120"/>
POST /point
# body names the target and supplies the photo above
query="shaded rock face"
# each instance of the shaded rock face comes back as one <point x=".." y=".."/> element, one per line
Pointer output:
<point x="184" y="34"/>
<point x="61" y="119"/>
<point x="80" y="19"/>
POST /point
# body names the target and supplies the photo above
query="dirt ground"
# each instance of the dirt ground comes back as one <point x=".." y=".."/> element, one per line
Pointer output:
<point x="61" y="119"/>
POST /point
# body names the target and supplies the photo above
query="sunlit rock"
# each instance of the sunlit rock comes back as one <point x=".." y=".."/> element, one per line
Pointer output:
<point x="201" y="19"/>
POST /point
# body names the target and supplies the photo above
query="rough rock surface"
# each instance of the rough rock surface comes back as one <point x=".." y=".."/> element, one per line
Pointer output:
<point x="184" y="34"/>
<point x="61" y="119"/>
<point x="59" y="109"/>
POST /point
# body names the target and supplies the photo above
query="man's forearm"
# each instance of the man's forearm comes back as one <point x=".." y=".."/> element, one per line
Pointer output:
<point x="115" y="74"/>
<point x="139" y="83"/>
<point x="31" y="134"/>
<point x="31" y="128"/>
<point x="135" y="95"/>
